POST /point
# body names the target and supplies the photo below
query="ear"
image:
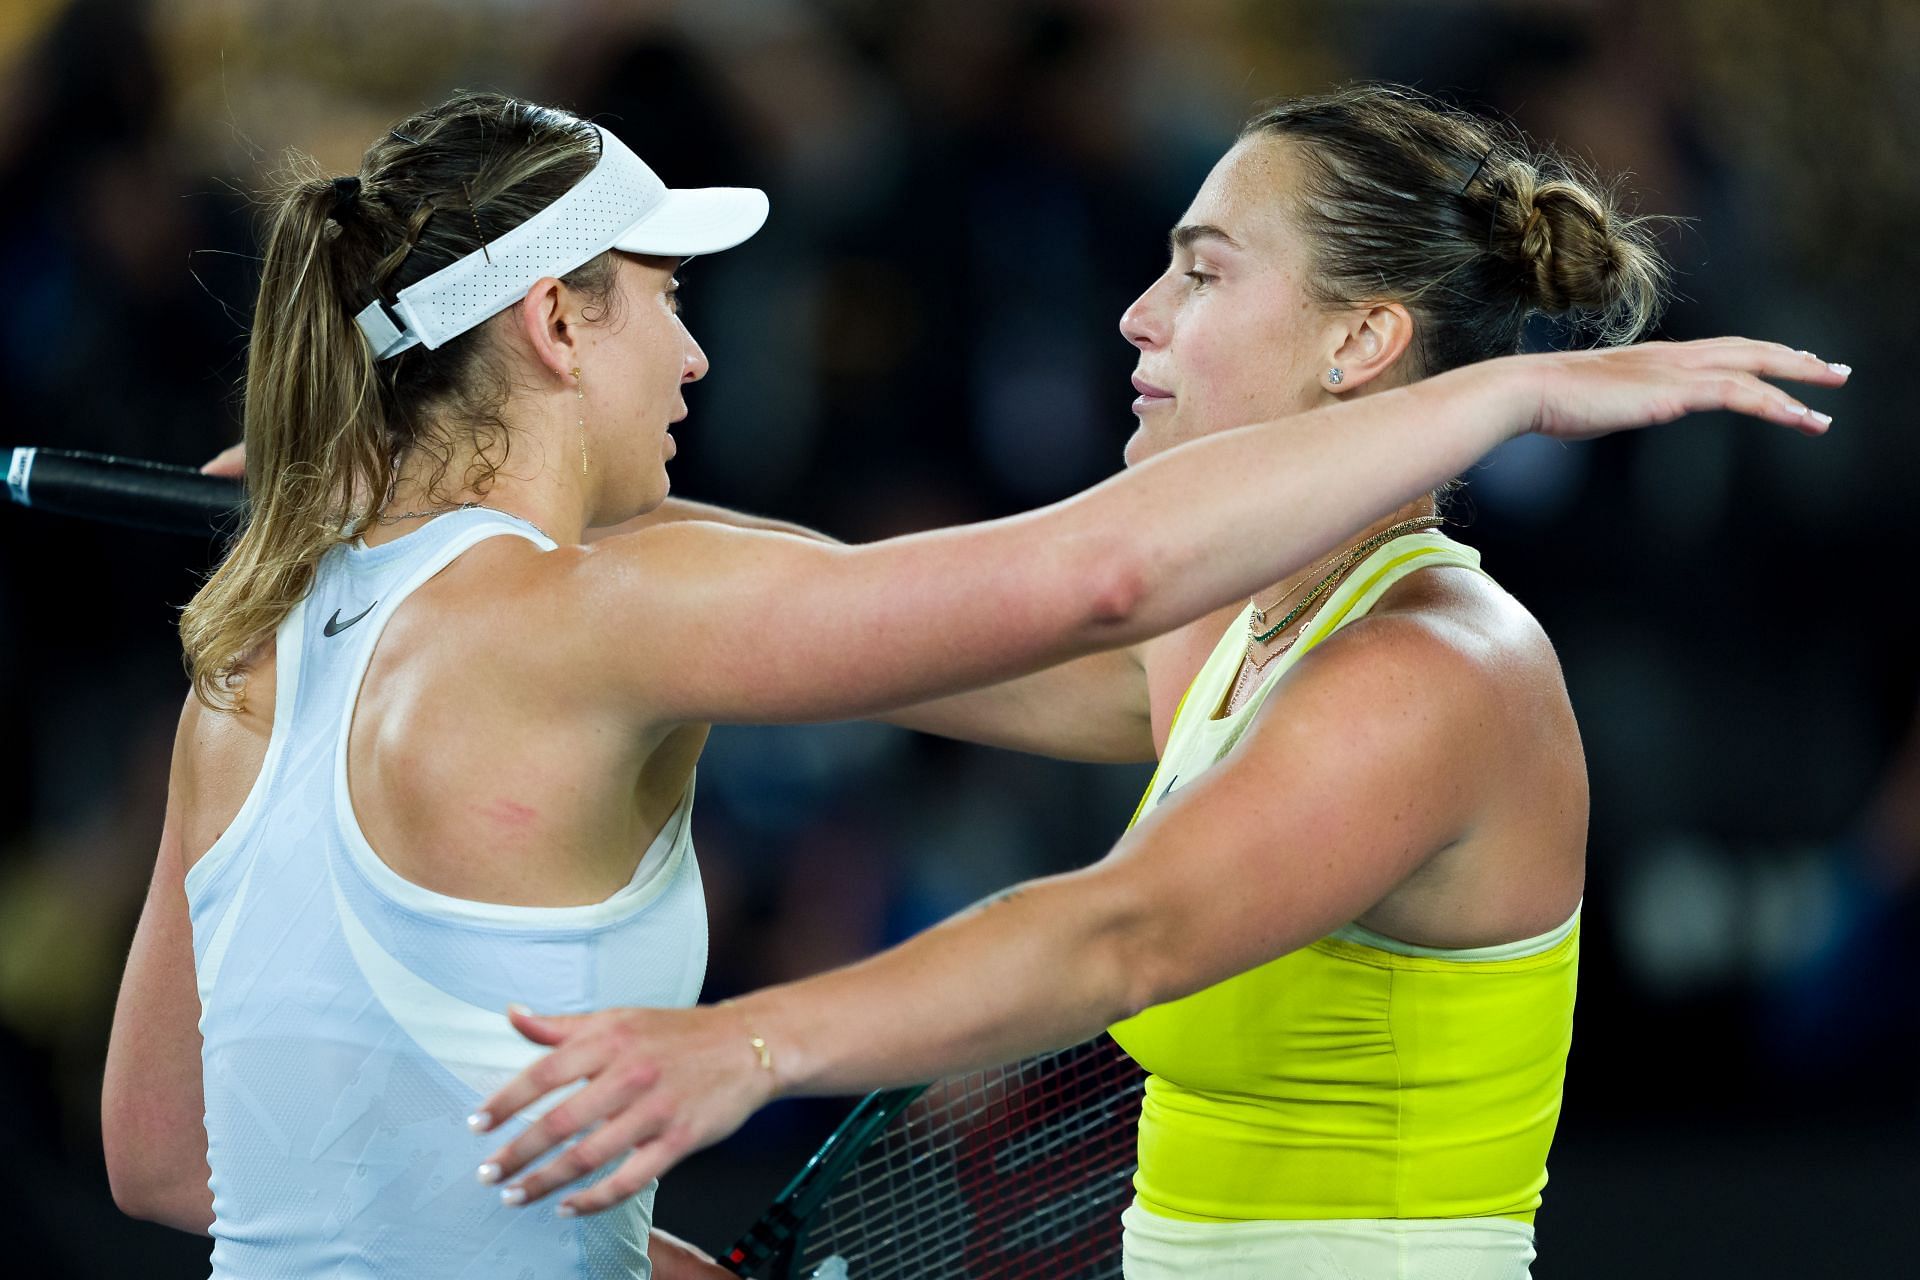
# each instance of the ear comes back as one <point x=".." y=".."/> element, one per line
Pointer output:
<point x="1374" y="340"/>
<point x="546" y="319"/>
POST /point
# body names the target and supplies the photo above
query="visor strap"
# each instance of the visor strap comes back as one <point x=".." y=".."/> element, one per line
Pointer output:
<point x="584" y="221"/>
<point x="387" y="336"/>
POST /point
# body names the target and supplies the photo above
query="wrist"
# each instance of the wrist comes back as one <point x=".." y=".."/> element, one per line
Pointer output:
<point x="1509" y="388"/>
<point x="770" y="1054"/>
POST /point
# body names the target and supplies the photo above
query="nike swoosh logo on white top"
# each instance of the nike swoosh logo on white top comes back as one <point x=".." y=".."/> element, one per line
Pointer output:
<point x="334" y="626"/>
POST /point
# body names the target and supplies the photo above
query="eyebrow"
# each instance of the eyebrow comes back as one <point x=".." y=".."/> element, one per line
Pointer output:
<point x="1186" y="234"/>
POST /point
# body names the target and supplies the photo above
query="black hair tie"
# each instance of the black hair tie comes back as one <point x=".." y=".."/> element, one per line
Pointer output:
<point x="345" y="191"/>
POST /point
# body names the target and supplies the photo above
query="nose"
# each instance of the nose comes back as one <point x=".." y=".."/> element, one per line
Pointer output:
<point x="1143" y="323"/>
<point x="695" y="366"/>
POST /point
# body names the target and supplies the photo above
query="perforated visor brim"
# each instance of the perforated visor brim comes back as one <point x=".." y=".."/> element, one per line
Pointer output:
<point x="696" y="221"/>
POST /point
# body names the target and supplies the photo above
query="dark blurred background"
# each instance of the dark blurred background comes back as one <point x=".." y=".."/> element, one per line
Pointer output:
<point x="965" y="197"/>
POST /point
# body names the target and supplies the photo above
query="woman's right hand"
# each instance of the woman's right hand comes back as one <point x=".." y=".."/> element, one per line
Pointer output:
<point x="675" y="1259"/>
<point x="1576" y="395"/>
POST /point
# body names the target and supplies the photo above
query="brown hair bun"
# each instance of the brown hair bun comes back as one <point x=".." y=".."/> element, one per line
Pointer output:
<point x="1462" y="219"/>
<point x="1580" y="256"/>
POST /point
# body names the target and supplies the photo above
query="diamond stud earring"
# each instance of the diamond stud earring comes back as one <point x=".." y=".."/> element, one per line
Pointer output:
<point x="1336" y="377"/>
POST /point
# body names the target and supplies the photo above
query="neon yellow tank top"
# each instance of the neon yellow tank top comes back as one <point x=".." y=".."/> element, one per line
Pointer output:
<point x="1358" y="1077"/>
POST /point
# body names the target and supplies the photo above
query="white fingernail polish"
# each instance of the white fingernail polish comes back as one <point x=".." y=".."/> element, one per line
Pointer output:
<point x="1825" y="420"/>
<point x="479" y="1120"/>
<point x="1840" y="368"/>
<point x="564" y="1211"/>
<point x="519" y="1008"/>
<point x="1796" y="409"/>
<point x="488" y="1173"/>
<point x="513" y="1195"/>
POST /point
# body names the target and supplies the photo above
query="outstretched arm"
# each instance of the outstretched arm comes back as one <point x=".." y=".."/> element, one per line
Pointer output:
<point x="1092" y="708"/>
<point x="696" y="622"/>
<point x="1345" y="784"/>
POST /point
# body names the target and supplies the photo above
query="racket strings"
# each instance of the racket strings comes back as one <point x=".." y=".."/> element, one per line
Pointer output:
<point x="1013" y="1172"/>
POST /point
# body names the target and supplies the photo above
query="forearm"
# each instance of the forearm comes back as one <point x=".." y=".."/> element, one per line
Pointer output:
<point x="675" y="1259"/>
<point x="1216" y="519"/>
<point x="1093" y="709"/>
<point x="1042" y="966"/>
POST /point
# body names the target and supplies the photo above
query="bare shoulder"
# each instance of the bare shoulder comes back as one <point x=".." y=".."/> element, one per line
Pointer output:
<point x="1446" y="647"/>
<point x="1466" y="625"/>
<point x="594" y="628"/>
<point x="677" y="552"/>
<point x="668" y="602"/>
<point x="1447" y="701"/>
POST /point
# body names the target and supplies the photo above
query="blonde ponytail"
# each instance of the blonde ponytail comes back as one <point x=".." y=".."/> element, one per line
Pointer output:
<point x="325" y="425"/>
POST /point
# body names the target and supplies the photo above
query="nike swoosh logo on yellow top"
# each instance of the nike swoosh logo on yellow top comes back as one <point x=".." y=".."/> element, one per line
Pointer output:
<point x="334" y="626"/>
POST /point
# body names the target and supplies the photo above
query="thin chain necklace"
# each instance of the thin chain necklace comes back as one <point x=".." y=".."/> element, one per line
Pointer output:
<point x="1260" y="615"/>
<point x="1347" y="561"/>
<point x="1255" y="663"/>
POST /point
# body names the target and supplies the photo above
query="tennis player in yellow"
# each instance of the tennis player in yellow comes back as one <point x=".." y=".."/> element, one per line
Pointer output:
<point x="1372" y="1100"/>
<point x="1342" y="930"/>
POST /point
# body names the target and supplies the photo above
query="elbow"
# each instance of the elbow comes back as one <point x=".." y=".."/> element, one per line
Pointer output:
<point x="1145" y="982"/>
<point x="1114" y="577"/>
<point x="133" y="1192"/>
<point x="129" y="1181"/>
<point x="144" y="1188"/>
<point x="1139" y="956"/>
<point x="123" y="1173"/>
<point x="129" y="1198"/>
<point x="181" y="1208"/>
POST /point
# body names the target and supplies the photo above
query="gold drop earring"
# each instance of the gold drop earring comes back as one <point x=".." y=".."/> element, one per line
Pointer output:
<point x="580" y="394"/>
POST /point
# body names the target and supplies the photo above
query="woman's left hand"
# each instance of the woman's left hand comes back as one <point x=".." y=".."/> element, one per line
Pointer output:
<point x="228" y="462"/>
<point x="661" y="1083"/>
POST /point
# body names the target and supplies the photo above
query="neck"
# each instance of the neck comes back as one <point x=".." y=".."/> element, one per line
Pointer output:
<point x="553" y="496"/>
<point x="1295" y="585"/>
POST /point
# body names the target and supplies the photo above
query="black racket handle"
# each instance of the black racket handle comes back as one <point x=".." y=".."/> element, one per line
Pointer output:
<point x="128" y="491"/>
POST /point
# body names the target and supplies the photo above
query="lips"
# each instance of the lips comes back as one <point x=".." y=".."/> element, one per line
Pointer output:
<point x="1150" y="395"/>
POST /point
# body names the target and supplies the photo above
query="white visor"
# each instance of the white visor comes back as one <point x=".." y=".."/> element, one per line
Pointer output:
<point x="621" y="204"/>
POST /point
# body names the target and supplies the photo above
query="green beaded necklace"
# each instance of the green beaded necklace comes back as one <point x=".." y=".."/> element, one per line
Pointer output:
<point x="1347" y="562"/>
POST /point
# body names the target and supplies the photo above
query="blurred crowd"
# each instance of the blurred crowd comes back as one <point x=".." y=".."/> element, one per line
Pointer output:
<point x="965" y="196"/>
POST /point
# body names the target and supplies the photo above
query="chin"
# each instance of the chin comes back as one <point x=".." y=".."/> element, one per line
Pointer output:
<point x="1139" y="447"/>
<point x="648" y="492"/>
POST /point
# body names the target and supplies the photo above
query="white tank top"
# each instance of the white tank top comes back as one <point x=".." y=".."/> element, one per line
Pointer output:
<point x="353" y="1019"/>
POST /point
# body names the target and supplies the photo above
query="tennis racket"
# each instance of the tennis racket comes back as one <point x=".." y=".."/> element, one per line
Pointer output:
<point x="1004" y="1174"/>
<point x="128" y="491"/>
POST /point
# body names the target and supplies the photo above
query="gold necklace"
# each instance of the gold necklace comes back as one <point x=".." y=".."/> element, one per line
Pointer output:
<point x="1254" y="662"/>
<point x="1347" y="561"/>
<point x="1260" y="615"/>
